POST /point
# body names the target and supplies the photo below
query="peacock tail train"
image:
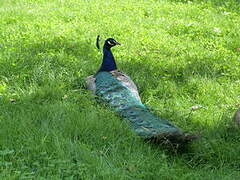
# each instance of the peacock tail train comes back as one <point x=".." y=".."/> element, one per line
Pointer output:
<point x="120" y="98"/>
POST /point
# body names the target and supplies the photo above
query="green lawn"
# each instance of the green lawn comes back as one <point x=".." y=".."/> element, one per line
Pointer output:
<point x="179" y="53"/>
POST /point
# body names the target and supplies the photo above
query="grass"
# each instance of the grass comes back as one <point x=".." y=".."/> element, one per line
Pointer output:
<point x="179" y="53"/>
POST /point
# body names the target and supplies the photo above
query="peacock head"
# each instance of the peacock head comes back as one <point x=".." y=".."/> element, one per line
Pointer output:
<point x="110" y="42"/>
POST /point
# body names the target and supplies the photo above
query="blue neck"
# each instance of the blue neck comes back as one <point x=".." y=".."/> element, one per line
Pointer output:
<point x="108" y="63"/>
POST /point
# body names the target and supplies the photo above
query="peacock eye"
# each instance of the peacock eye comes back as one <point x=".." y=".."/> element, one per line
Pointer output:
<point x="110" y="43"/>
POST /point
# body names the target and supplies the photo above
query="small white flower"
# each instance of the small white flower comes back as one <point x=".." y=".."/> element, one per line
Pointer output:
<point x="217" y="30"/>
<point x="190" y="24"/>
<point x="226" y="13"/>
<point x="196" y="107"/>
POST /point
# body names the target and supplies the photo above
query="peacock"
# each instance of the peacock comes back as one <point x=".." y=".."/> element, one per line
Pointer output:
<point x="119" y="92"/>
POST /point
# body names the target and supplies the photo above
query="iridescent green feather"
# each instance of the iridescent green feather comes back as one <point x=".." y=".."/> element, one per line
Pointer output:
<point x="145" y="123"/>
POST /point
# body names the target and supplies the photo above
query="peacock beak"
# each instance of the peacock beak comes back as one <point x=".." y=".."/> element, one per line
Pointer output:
<point x="117" y="43"/>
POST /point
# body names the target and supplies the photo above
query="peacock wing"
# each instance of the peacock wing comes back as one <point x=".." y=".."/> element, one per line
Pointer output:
<point x="127" y="82"/>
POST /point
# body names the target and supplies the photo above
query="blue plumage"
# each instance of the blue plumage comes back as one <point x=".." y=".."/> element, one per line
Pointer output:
<point x="108" y="63"/>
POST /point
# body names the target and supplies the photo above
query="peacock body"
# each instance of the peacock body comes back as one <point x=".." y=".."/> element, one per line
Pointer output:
<point x="118" y="91"/>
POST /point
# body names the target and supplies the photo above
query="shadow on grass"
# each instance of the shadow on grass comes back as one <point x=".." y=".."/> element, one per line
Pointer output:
<point x="57" y="57"/>
<point x="206" y="150"/>
<point x="219" y="142"/>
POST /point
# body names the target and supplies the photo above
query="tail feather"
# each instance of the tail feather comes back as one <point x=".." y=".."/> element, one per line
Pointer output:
<point x="145" y="123"/>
